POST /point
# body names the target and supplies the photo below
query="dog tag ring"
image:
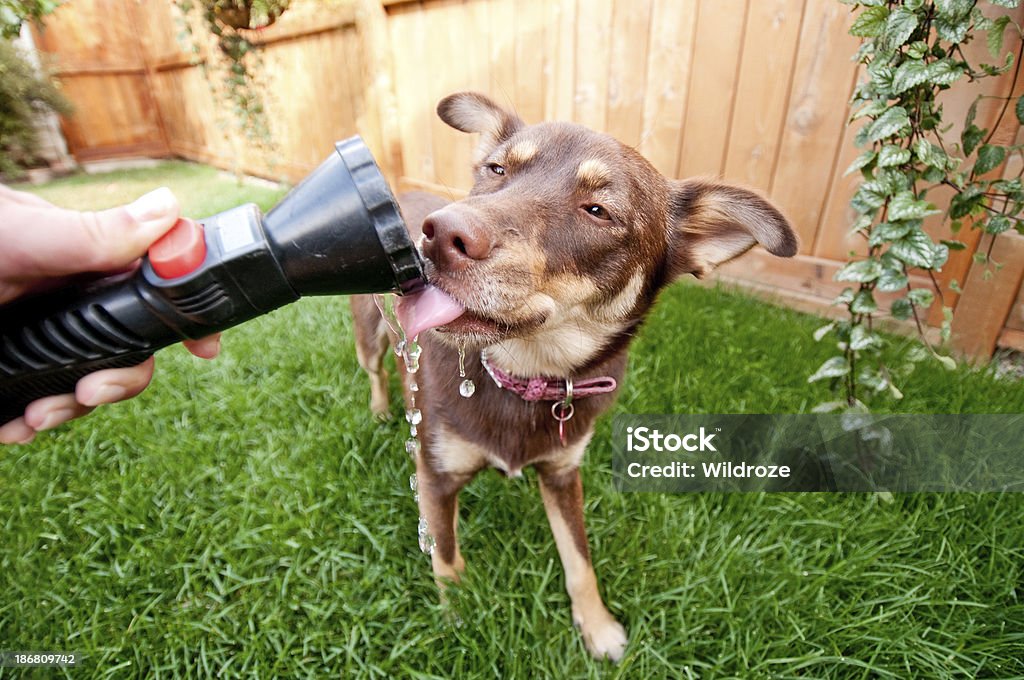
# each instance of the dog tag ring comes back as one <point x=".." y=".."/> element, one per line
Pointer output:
<point x="563" y="410"/>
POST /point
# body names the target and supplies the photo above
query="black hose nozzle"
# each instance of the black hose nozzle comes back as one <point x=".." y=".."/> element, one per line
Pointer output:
<point x="339" y="232"/>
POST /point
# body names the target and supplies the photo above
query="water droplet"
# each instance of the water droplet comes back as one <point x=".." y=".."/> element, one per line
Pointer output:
<point x="427" y="542"/>
<point x="414" y="416"/>
<point x="413" y="432"/>
<point x="412" y="447"/>
<point x="414" y="387"/>
<point x="413" y="483"/>
<point x="467" y="388"/>
<point x="462" y="359"/>
<point x="400" y="348"/>
<point x="412" y="357"/>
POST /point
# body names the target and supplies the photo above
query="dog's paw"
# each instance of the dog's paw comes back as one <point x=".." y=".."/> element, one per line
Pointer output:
<point x="604" y="638"/>
<point x="382" y="415"/>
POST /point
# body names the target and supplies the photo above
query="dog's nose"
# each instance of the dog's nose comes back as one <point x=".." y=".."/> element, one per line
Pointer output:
<point x="453" y="242"/>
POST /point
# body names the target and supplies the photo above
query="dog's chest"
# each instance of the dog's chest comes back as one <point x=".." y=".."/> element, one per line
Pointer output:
<point x="495" y="427"/>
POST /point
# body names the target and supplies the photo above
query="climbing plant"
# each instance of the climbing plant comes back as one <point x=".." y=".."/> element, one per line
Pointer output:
<point x="229" y="21"/>
<point x="13" y="13"/>
<point x="912" y="50"/>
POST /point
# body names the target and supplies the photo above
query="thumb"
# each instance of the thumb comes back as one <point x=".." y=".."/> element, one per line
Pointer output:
<point x="62" y="242"/>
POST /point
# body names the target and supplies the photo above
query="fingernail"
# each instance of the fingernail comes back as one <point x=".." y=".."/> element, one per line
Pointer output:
<point x="55" y="418"/>
<point x="106" y="394"/>
<point x="155" y="205"/>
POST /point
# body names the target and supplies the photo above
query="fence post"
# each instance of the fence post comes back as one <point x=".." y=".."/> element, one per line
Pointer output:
<point x="988" y="299"/>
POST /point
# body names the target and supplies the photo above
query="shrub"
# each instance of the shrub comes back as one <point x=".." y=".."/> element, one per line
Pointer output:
<point x="24" y="95"/>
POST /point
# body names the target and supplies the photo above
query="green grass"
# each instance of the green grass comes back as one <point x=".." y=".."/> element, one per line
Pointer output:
<point x="247" y="517"/>
<point x="202" y="190"/>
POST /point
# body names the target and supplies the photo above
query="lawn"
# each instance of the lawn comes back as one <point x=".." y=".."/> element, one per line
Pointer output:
<point x="247" y="517"/>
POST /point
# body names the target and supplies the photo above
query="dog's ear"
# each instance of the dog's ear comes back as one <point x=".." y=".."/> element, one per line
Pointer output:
<point x="711" y="223"/>
<point x="474" y="112"/>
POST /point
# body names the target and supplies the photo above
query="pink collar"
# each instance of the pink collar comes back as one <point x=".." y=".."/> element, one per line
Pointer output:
<point x="544" y="388"/>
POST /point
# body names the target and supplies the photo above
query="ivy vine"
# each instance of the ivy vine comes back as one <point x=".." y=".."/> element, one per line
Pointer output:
<point x="228" y="21"/>
<point x="912" y="50"/>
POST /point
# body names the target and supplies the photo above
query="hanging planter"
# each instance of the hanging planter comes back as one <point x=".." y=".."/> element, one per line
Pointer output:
<point x="246" y="14"/>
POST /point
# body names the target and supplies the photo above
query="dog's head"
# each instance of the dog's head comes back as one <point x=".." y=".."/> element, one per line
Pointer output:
<point x="568" y="235"/>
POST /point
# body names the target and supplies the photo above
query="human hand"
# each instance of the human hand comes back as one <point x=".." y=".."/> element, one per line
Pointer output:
<point x="43" y="245"/>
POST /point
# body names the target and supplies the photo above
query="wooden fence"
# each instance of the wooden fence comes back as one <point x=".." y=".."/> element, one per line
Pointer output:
<point x="752" y="90"/>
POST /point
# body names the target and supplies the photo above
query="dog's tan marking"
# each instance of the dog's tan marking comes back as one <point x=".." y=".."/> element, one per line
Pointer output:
<point x="622" y="304"/>
<point x="593" y="174"/>
<point x="556" y="348"/>
<point x="455" y="455"/>
<point x="571" y="289"/>
<point x="521" y="153"/>
<point x="562" y="494"/>
<point x="439" y="505"/>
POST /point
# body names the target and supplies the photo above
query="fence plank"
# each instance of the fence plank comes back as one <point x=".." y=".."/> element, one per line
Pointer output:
<point x="988" y="297"/>
<point x="593" y="45"/>
<point x="667" y="82"/>
<point x="813" y="139"/>
<point x="627" y="68"/>
<point x="769" y="52"/>
<point x="716" y="58"/>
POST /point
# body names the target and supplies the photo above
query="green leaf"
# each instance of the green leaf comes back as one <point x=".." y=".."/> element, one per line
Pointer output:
<point x="862" y="271"/>
<point x="994" y="37"/>
<point x="922" y="297"/>
<point x="954" y="245"/>
<point x="863" y="303"/>
<point x="953" y="9"/>
<point x="872" y="379"/>
<point x="1019" y="108"/>
<point x="861" y="338"/>
<point x="873" y="109"/>
<point x="832" y="368"/>
<point x="893" y="121"/>
<point x="989" y="158"/>
<point x="910" y="73"/>
<point x="891" y="155"/>
<point x="829" y="406"/>
<point x="898" y="27"/>
<point x="930" y="154"/>
<point x="1006" y="3"/>
<point x="901" y="309"/>
<point x="904" y="206"/>
<point x="998" y="224"/>
<point x="952" y="30"/>
<point x="861" y="161"/>
<point x="965" y="202"/>
<point x="891" y="281"/>
<point x="860" y="224"/>
<point x="870" y="23"/>
<point x="949" y="363"/>
<point x="918" y="49"/>
<point x="889" y="231"/>
<point x="915" y="249"/>
<point x="844" y="298"/>
<point x="823" y="331"/>
<point x="944" y="72"/>
<point x="972" y="135"/>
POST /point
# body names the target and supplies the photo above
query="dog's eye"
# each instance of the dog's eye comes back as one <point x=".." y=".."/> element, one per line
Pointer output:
<point x="597" y="211"/>
<point x="496" y="169"/>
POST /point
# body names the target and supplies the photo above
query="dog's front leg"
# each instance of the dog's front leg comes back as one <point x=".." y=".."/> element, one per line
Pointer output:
<point x="439" y="505"/>
<point x="562" y="492"/>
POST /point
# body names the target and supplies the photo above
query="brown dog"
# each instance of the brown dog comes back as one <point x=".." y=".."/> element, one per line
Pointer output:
<point x="544" y="273"/>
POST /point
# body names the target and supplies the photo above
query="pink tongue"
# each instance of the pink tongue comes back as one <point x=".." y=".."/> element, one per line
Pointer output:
<point x="427" y="309"/>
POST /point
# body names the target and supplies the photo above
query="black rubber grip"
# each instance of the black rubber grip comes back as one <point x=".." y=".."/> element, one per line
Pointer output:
<point x="18" y="393"/>
<point x="47" y="344"/>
